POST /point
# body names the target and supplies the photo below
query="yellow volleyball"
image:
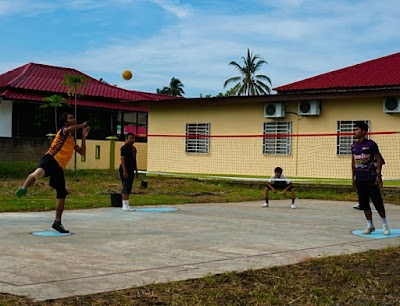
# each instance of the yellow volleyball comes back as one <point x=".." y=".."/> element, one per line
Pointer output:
<point x="127" y="75"/>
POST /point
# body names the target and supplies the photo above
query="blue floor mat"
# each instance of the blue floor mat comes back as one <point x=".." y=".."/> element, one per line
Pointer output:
<point x="50" y="234"/>
<point x="157" y="209"/>
<point x="378" y="234"/>
<point x="149" y="209"/>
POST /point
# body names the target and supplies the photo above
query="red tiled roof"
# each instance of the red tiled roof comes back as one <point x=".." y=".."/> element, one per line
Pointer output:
<point x="45" y="78"/>
<point x="91" y="102"/>
<point x="380" y="72"/>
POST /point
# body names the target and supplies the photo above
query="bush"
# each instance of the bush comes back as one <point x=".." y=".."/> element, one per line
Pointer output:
<point x="16" y="169"/>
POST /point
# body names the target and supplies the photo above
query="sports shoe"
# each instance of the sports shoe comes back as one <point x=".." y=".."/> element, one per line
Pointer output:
<point x="293" y="206"/>
<point x="369" y="230"/>
<point x="128" y="208"/>
<point x="265" y="205"/>
<point x="21" y="192"/>
<point x="357" y="206"/>
<point x="386" y="230"/>
<point x="60" y="228"/>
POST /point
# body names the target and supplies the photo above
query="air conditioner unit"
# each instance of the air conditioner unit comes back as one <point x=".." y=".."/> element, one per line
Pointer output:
<point x="274" y="110"/>
<point x="309" y="108"/>
<point x="391" y="105"/>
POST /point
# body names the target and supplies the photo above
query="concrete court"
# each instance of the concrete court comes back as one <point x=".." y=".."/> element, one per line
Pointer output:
<point x="111" y="249"/>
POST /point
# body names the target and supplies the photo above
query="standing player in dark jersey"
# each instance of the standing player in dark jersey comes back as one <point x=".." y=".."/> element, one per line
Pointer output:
<point x="55" y="161"/>
<point x="366" y="164"/>
<point x="127" y="169"/>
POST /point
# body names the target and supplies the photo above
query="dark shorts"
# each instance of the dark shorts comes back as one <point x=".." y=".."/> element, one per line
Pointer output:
<point x="56" y="173"/>
<point x="280" y="186"/>
<point x="367" y="190"/>
<point x="127" y="183"/>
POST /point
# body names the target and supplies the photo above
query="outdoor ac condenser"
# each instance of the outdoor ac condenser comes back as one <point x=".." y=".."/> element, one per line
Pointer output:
<point x="274" y="110"/>
<point x="309" y="108"/>
<point x="391" y="105"/>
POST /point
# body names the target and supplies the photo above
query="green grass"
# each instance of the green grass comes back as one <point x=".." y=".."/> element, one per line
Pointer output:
<point x="369" y="278"/>
<point x="91" y="189"/>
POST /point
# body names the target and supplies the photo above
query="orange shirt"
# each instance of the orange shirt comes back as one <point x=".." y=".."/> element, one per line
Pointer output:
<point x="62" y="147"/>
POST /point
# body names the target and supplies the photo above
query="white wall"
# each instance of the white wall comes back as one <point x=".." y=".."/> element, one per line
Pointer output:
<point x="6" y="118"/>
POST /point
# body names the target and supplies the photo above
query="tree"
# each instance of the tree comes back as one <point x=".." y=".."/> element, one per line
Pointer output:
<point x="175" y="88"/>
<point x="249" y="83"/>
<point x="228" y="93"/>
<point x="54" y="101"/>
<point x="75" y="82"/>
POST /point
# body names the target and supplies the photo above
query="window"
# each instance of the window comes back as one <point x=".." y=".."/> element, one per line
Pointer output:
<point x="97" y="152"/>
<point x="277" y="145"/>
<point x="343" y="143"/>
<point x="29" y="120"/>
<point x="99" y="120"/>
<point x="135" y="122"/>
<point x="197" y="144"/>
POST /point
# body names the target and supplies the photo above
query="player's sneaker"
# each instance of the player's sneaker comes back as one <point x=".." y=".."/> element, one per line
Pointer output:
<point x="357" y="206"/>
<point x="21" y="192"/>
<point x="293" y="206"/>
<point x="369" y="230"/>
<point x="128" y="208"/>
<point x="60" y="228"/>
<point x="386" y="230"/>
<point x="265" y="205"/>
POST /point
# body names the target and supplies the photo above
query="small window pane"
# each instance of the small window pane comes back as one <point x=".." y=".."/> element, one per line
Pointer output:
<point x="97" y="152"/>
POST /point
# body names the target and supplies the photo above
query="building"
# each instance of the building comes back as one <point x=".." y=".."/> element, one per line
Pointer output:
<point x="296" y="129"/>
<point x="24" y="124"/>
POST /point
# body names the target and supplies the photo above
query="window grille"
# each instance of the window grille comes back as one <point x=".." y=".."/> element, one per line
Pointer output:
<point x="197" y="144"/>
<point x="279" y="145"/>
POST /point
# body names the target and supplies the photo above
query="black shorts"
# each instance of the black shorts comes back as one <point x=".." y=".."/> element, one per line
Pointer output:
<point x="127" y="183"/>
<point x="56" y="173"/>
<point x="367" y="190"/>
<point x="280" y="186"/>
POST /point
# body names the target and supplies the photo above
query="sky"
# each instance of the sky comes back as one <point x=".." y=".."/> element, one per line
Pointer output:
<point x="195" y="41"/>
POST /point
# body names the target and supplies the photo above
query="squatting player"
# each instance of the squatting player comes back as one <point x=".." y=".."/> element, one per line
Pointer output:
<point x="366" y="176"/>
<point x="281" y="182"/>
<point x="55" y="161"/>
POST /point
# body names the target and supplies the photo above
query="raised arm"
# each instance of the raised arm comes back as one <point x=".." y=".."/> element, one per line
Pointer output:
<point x="82" y="149"/>
<point x="73" y="128"/>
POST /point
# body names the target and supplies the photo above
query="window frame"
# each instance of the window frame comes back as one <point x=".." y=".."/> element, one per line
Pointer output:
<point x="277" y="145"/>
<point x="197" y="145"/>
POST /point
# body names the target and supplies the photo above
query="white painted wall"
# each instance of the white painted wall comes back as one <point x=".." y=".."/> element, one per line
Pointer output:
<point x="6" y="118"/>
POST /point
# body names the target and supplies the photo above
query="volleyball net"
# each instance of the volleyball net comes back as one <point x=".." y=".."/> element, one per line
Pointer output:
<point x="303" y="157"/>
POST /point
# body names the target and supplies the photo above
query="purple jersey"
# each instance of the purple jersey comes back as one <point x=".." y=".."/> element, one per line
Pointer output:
<point x="363" y="154"/>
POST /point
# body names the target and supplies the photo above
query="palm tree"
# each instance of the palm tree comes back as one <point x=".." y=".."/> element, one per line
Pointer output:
<point x="249" y="83"/>
<point x="175" y="88"/>
<point x="54" y="101"/>
<point x="74" y="82"/>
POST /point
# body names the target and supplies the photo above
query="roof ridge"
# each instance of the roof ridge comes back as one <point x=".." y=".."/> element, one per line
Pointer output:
<point x="20" y="75"/>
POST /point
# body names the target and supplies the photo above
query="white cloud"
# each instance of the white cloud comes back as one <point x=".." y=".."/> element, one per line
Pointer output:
<point x="82" y="4"/>
<point x="12" y="7"/>
<point x="298" y="39"/>
<point x="173" y="7"/>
